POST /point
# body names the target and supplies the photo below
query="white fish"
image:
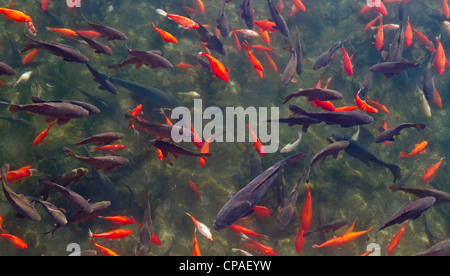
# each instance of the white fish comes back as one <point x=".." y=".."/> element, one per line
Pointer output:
<point x="446" y="25"/>
<point x="24" y="78"/>
<point x="202" y="228"/>
<point x="192" y="94"/>
<point x="425" y="106"/>
<point x="291" y="147"/>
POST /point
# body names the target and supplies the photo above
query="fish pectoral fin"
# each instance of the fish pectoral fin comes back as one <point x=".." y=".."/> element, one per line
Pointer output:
<point x="107" y="170"/>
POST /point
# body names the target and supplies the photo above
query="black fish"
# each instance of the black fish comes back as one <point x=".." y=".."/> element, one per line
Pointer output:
<point x="155" y="97"/>
<point x="170" y="147"/>
<point x="146" y="231"/>
<point x="278" y="19"/>
<point x="92" y="109"/>
<point x="287" y="211"/>
<point x="54" y="212"/>
<point x="320" y="94"/>
<point x="5" y="69"/>
<point x="342" y="118"/>
<point x="356" y="150"/>
<point x="332" y="149"/>
<point x="299" y="51"/>
<point x="301" y="120"/>
<point x="162" y="131"/>
<point x="97" y="46"/>
<point x="429" y="87"/>
<point x="101" y="139"/>
<point x="394" y="67"/>
<point x="103" y="80"/>
<point x="211" y="40"/>
<point x="331" y="226"/>
<point x="151" y="59"/>
<point x="71" y="177"/>
<point x="72" y="198"/>
<point x="440" y="196"/>
<point x="290" y="70"/>
<point x="105" y="31"/>
<point x="325" y="58"/>
<point x="107" y="163"/>
<point x="222" y="22"/>
<point x="389" y="134"/>
<point x="248" y="14"/>
<point x="242" y="202"/>
<point x="68" y="53"/>
<point x="412" y="210"/>
<point x="19" y="203"/>
<point x="440" y="249"/>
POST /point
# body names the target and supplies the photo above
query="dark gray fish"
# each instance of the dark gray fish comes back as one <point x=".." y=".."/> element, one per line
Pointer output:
<point x="146" y="231"/>
<point x="62" y="111"/>
<point x="389" y="134"/>
<point x="94" y="99"/>
<point x="299" y="51"/>
<point x="242" y="202"/>
<point x="65" y="180"/>
<point x="440" y="196"/>
<point x="211" y="40"/>
<point x="170" y="147"/>
<point x="162" y="131"/>
<point x="439" y="249"/>
<point x="248" y="14"/>
<point x="19" y="203"/>
<point x="128" y="61"/>
<point x="412" y="210"/>
<point x="222" y="22"/>
<point x="278" y="19"/>
<point x="54" y="212"/>
<point x="429" y="87"/>
<point x="105" y="31"/>
<point x="103" y="80"/>
<point x="332" y="149"/>
<point x="68" y="53"/>
<point x="301" y="120"/>
<point x="72" y="198"/>
<point x="80" y="216"/>
<point x="394" y="67"/>
<point x="92" y="109"/>
<point x="356" y="150"/>
<point x="155" y="97"/>
<point x="320" y="94"/>
<point x="290" y="70"/>
<point x="101" y="139"/>
<point x="342" y="118"/>
<point x="325" y="58"/>
<point x="5" y="69"/>
<point x="331" y="226"/>
<point x="256" y="167"/>
<point x="151" y="59"/>
<point x="97" y="46"/>
<point x="107" y="163"/>
<point x="288" y="209"/>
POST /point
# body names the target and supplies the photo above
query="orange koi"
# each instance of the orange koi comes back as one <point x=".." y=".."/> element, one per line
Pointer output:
<point x="204" y="149"/>
<point x="299" y="240"/>
<point x="166" y="36"/>
<point x="1" y="224"/>
<point x="108" y="148"/>
<point x="64" y="32"/>
<point x="121" y="220"/>
<point x="418" y="149"/>
<point x="368" y="252"/>
<point x="260" y="48"/>
<point x="378" y="106"/>
<point x="195" y="137"/>
<point x="384" y="127"/>
<point x="184" y="22"/>
<point x="445" y="10"/>
<point x="379" y="40"/>
<point x="262" y="212"/>
<point x="348" y="66"/>
<point x="112" y="235"/>
<point x="299" y="5"/>
<point x="439" y="57"/>
<point x="194" y="188"/>
<point x="431" y="172"/>
<point x="202" y="228"/>
<point x="293" y="11"/>
<point x="217" y="67"/>
<point x="200" y="7"/>
<point x="241" y="229"/>
<point x="40" y="138"/>
<point x="237" y="43"/>
<point x="408" y="34"/>
<point x="270" y="61"/>
<point x="347" y="237"/>
<point x="185" y="66"/>
<point x="45" y="4"/>
<point x="325" y="105"/>
<point x="422" y="38"/>
<point x="381" y="8"/>
<point x="18" y="175"/>
<point x="371" y="23"/>
<point x="135" y="112"/>
<point x="105" y="251"/>
<point x="253" y="60"/>
<point x="264" y="35"/>
<point x="257" y="144"/>
<point x="266" y="25"/>
<point x="280" y="6"/>
<point x="346" y="108"/>
<point x="15" y="15"/>
<point x="89" y="34"/>
<point x="15" y="240"/>
<point x="362" y="105"/>
<point x="437" y="99"/>
<point x="264" y="249"/>
<point x="306" y="214"/>
<point x="160" y="154"/>
<point x="396" y="239"/>
<point x="196" y="247"/>
<point x="31" y="56"/>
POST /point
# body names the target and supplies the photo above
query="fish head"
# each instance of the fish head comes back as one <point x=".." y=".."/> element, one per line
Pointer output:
<point x="231" y="212"/>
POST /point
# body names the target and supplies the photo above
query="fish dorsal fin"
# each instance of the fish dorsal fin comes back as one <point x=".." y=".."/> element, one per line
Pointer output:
<point x="350" y="229"/>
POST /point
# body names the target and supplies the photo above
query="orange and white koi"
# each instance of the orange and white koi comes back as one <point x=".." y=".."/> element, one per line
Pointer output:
<point x="217" y="67"/>
<point x="121" y="220"/>
<point x="396" y="239"/>
<point x="112" y="235"/>
<point x="257" y="143"/>
<point x="431" y="172"/>
<point x="184" y="22"/>
<point x="202" y="228"/>
<point x="40" y="138"/>
<point x="418" y="149"/>
<point x="246" y="33"/>
<point x="166" y="36"/>
<point x="15" y="240"/>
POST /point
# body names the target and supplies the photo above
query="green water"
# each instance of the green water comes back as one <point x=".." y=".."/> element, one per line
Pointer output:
<point x="344" y="187"/>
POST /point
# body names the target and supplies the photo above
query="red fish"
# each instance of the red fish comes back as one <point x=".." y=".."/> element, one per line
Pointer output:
<point x="262" y="212"/>
<point x="299" y="240"/>
<point x="194" y="188"/>
<point x="408" y="34"/>
<point x="384" y="128"/>
<point x="105" y="251"/>
<point x="306" y="214"/>
<point x="264" y="35"/>
<point x="396" y="239"/>
<point x="113" y="235"/>
<point x="439" y="57"/>
<point x="362" y="105"/>
<point x="253" y="60"/>
<point x="122" y="220"/>
<point x="15" y="15"/>
<point x="108" y="148"/>
<point x="18" y="175"/>
<point x="431" y="172"/>
<point x="236" y="43"/>
<point x="379" y="40"/>
<point x="40" y="138"/>
<point x="89" y="33"/>
<point x="270" y="61"/>
<point x="422" y="38"/>
<point x="196" y="247"/>
<point x="257" y="144"/>
<point x="184" y="22"/>
<point x="204" y="149"/>
<point x="263" y="249"/>
<point x="241" y="229"/>
<point x="135" y="112"/>
<point x="378" y="106"/>
<point x="217" y="67"/>
<point x="418" y="149"/>
<point x="185" y="66"/>
<point x="445" y="10"/>
<point x="266" y="25"/>
<point x="348" y="66"/>
<point x="15" y="240"/>
<point x="64" y="32"/>
<point x="263" y="49"/>
<point x="437" y="99"/>
<point x="299" y="5"/>
<point x="31" y="56"/>
<point x="346" y="108"/>
<point x="166" y="36"/>
<point x="347" y="237"/>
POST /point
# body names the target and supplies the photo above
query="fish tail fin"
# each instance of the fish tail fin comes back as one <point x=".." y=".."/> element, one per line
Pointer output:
<point x="161" y="12"/>
<point x="394" y="187"/>
<point x="90" y="233"/>
<point x="403" y="154"/>
<point x="419" y="126"/>
<point x="396" y="171"/>
<point x="14" y="108"/>
<point x="297" y="110"/>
